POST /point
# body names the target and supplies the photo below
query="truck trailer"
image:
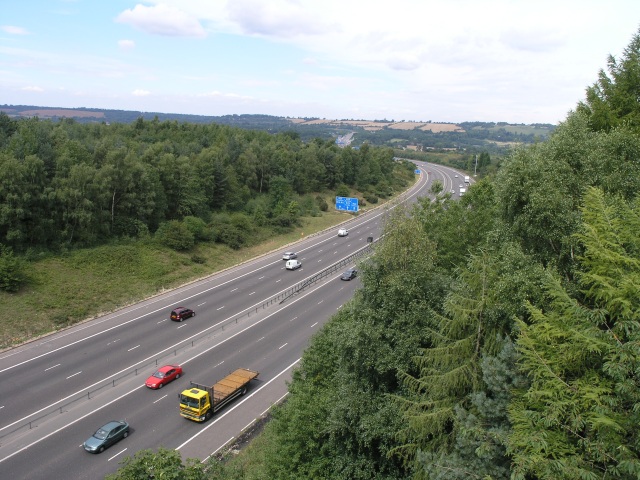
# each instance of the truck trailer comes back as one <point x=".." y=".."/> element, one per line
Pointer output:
<point x="200" y="402"/>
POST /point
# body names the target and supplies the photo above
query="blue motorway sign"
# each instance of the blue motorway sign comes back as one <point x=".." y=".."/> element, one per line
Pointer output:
<point x="347" y="203"/>
<point x="416" y="171"/>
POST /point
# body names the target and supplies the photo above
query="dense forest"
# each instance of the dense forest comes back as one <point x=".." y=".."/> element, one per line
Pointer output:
<point x="497" y="336"/>
<point x="68" y="185"/>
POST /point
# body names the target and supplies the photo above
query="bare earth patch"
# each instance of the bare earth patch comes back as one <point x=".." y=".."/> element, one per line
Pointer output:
<point x="374" y="126"/>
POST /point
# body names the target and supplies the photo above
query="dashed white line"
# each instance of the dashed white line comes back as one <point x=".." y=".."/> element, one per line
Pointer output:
<point x="278" y="280"/>
<point x="46" y="369"/>
<point x="294" y="318"/>
<point x="251" y="293"/>
<point x="117" y="455"/>
<point x="160" y="399"/>
<point x="162" y="321"/>
<point x="260" y="278"/>
<point x="220" y="308"/>
<point x="234" y="290"/>
<point x="314" y="325"/>
<point x="320" y="301"/>
<point x="283" y="346"/>
<point x="183" y="325"/>
<point x="74" y="374"/>
<point x="117" y="340"/>
<point x="133" y="348"/>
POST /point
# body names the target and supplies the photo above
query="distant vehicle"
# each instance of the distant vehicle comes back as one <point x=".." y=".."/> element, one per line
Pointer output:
<point x="292" y="264"/>
<point x="106" y="436"/>
<point x="456" y="176"/>
<point x="164" y="375"/>
<point x="463" y="191"/>
<point x="461" y="185"/>
<point x="200" y="402"/>
<point x="452" y="191"/>
<point x="343" y="232"/>
<point x="466" y="179"/>
<point x="180" y="313"/>
<point x="349" y="274"/>
<point x="289" y="256"/>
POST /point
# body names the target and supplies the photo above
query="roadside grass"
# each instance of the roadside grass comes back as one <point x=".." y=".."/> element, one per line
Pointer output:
<point x="83" y="284"/>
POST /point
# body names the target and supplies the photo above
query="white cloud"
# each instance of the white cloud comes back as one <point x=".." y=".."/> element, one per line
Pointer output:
<point x="162" y="19"/>
<point x="278" y="19"/>
<point x="126" y="44"/>
<point x="13" y="30"/>
<point x="140" y="93"/>
<point x="33" y="89"/>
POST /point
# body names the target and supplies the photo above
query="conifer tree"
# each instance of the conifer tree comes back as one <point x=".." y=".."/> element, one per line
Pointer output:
<point x="579" y="417"/>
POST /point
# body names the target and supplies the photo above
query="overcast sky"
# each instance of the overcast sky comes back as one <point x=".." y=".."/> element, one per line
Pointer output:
<point x="446" y="61"/>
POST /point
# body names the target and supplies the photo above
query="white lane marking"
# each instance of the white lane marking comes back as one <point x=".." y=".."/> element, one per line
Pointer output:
<point x="162" y="321"/>
<point x="251" y="293"/>
<point x="78" y="373"/>
<point x="160" y="398"/>
<point x="260" y="278"/>
<point x="47" y="369"/>
<point x="227" y="411"/>
<point x="320" y="301"/>
<point x="181" y="325"/>
<point x="115" y="341"/>
<point x="218" y="418"/>
<point x="261" y="338"/>
<point x="117" y="455"/>
<point x="218" y="309"/>
<point x="294" y="318"/>
<point x="278" y="280"/>
<point x="413" y="192"/>
<point x="283" y="346"/>
<point x="67" y="425"/>
<point x="233" y="290"/>
<point x="314" y="325"/>
<point x="133" y="348"/>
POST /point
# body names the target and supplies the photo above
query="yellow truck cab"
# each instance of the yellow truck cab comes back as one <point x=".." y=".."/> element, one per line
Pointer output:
<point x="199" y="402"/>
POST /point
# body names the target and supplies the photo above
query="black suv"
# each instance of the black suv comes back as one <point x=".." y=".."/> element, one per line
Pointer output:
<point x="180" y="313"/>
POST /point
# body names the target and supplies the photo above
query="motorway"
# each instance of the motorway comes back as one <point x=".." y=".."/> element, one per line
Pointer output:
<point x="55" y="391"/>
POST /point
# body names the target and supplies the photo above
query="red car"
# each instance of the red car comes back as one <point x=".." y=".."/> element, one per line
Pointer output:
<point x="164" y="375"/>
<point x="180" y="313"/>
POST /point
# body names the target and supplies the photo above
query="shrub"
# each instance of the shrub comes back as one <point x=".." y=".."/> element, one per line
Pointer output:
<point x="342" y="190"/>
<point x="12" y="270"/>
<point x="322" y="204"/>
<point x="175" y="235"/>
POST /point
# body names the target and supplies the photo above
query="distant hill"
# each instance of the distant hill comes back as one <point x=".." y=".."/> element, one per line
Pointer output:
<point x="410" y="135"/>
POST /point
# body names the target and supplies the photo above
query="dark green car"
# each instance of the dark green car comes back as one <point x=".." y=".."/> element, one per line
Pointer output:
<point x="106" y="436"/>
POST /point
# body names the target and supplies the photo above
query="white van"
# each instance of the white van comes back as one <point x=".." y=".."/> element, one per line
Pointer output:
<point x="292" y="264"/>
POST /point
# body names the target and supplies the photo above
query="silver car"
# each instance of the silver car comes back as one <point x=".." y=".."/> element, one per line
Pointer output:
<point x="106" y="436"/>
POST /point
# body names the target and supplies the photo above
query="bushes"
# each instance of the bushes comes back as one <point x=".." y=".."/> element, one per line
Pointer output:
<point x="12" y="270"/>
<point x="175" y="235"/>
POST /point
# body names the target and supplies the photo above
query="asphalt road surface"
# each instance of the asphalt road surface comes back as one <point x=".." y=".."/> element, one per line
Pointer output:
<point x="55" y="391"/>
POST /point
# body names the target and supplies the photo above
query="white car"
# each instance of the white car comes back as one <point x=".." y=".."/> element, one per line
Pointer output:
<point x="289" y="256"/>
<point x="343" y="232"/>
<point x="456" y="176"/>
<point x="292" y="264"/>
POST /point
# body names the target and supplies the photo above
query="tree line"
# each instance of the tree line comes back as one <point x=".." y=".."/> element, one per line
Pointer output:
<point x="67" y="185"/>
<point x="494" y="337"/>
